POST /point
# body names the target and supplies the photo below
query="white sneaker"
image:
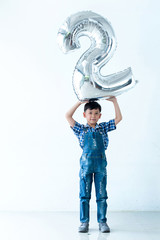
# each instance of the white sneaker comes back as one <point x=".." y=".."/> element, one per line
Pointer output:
<point x="84" y="227"/>
<point x="103" y="227"/>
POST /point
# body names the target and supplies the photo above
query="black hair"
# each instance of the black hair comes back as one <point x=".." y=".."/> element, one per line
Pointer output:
<point x="92" y="105"/>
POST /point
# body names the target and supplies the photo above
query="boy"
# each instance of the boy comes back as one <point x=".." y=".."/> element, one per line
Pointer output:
<point x="93" y="139"/>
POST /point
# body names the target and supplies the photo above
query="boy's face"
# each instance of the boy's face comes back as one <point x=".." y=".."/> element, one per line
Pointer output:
<point x="92" y="116"/>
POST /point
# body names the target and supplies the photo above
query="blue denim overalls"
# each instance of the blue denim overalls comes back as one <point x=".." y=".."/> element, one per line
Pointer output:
<point x="93" y="165"/>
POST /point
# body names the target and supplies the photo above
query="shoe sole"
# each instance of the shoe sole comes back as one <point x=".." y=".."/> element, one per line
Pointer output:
<point x="107" y="231"/>
<point x="83" y="231"/>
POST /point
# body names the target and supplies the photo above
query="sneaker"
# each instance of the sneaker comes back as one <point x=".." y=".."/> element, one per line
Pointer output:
<point x="84" y="227"/>
<point x="103" y="227"/>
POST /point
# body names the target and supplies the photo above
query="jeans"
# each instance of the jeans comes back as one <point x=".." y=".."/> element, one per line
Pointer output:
<point x="93" y="167"/>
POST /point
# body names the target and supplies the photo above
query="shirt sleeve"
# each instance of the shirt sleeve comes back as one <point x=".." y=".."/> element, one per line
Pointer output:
<point x="77" y="129"/>
<point x="108" y="126"/>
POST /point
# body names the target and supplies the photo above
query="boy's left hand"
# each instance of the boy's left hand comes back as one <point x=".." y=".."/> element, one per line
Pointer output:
<point x="112" y="99"/>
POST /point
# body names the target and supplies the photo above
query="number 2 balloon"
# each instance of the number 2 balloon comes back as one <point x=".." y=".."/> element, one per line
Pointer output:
<point x="88" y="83"/>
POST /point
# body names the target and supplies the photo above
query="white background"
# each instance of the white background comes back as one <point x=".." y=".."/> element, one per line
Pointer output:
<point x="39" y="154"/>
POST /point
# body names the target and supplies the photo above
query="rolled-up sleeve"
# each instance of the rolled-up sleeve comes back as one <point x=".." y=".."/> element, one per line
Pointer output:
<point x="77" y="129"/>
<point x="109" y="126"/>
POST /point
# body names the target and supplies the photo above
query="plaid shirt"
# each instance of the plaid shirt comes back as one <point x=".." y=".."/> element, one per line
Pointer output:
<point x="104" y="128"/>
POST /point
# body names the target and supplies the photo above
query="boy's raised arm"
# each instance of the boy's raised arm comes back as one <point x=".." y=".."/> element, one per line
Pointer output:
<point x="69" y="114"/>
<point x="118" y="114"/>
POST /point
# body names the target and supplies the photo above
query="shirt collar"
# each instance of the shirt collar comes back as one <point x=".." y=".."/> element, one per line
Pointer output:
<point x="96" y="127"/>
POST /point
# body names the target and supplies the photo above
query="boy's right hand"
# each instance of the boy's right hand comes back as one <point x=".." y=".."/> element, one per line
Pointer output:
<point x="85" y="101"/>
<point x="69" y="114"/>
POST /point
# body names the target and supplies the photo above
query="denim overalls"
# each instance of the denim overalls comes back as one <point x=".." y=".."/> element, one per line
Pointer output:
<point x="93" y="165"/>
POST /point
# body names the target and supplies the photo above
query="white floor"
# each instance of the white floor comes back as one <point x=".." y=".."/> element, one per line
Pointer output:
<point x="63" y="226"/>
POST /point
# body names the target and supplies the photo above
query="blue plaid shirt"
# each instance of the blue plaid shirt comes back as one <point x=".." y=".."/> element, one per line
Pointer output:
<point x="104" y="127"/>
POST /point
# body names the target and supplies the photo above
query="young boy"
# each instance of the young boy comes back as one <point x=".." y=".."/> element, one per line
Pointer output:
<point x="93" y="139"/>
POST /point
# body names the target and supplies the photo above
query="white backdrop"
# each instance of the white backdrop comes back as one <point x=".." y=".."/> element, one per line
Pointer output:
<point x="39" y="156"/>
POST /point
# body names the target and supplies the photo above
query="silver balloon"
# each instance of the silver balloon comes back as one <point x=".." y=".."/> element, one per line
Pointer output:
<point x="88" y="83"/>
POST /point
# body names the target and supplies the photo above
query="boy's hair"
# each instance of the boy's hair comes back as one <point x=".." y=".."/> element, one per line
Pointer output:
<point x="92" y="105"/>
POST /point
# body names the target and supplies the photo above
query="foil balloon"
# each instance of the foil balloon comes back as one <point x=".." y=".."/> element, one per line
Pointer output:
<point x="88" y="83"/>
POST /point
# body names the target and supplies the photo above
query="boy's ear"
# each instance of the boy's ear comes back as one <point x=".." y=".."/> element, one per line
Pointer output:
<point x="84" y="114"/>
<point x="100" y="115"/>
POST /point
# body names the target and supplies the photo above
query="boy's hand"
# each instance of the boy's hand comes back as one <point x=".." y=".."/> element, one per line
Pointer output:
<point x="118" y="116"/>
<point x="69" y="114"/>
<point x="85" y="101"/>
<point x="112" y="99"/>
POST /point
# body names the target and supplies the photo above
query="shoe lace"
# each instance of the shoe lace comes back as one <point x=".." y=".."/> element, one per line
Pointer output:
<point x="103" y="224"/>
<point x="84" y="224"/>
